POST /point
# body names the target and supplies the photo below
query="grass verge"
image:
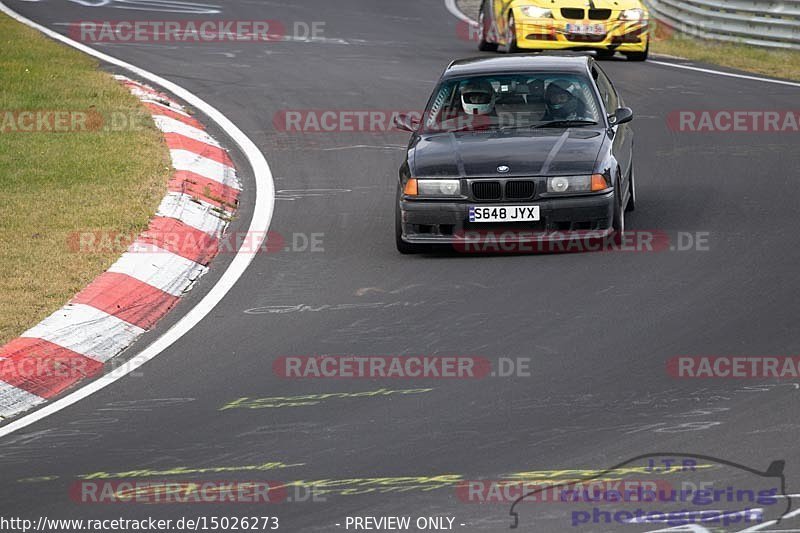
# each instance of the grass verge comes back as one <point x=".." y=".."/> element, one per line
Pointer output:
<point x="93" y="176"/>
<point x="765" y="61"/>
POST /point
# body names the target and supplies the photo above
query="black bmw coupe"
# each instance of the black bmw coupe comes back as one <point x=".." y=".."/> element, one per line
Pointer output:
<point x="539" y="146"/>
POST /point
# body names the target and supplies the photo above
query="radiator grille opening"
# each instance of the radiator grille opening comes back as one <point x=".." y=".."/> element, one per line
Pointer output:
<point x="520" y="190"/>
<point x="599" y="14"/>
<point x="572" y="13"/>
<point x="486" y="190"/>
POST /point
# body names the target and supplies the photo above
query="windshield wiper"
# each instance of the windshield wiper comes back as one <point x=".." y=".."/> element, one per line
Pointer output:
<point x="482" y="127"/>
<point x="565" y="124"/>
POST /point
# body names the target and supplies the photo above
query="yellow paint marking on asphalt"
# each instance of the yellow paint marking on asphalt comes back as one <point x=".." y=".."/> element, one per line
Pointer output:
<point x="182" y="471"/>
<point x="385" y="485"/>
<point x="377" y="485"/>
<point x="553" y="475"/>
<point x="312" y="399"/>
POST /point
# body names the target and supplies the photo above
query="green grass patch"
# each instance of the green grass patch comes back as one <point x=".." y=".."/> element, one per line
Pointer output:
<point x="57" y="183"/>
<point x="766" y="61"/>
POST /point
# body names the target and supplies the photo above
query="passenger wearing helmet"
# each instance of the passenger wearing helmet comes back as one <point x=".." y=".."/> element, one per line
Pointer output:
<point x="477" y="97"/>
<point x="561" y="103"/>
<point x="537" y="107"/>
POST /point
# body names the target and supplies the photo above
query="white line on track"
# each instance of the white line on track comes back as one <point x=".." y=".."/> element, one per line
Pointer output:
<point x="259" y="224"/>
<point x="453" y="9"/>
<point x="456" y="12"/>
<point x="725" y="74"/>
<point x="769" y="523"/>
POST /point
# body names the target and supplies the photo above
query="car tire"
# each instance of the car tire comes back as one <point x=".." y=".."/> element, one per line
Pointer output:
<point x="618" y="222"/>
<point x="631" y="205"/>
<point x="485" y="24"/>
<point x="639" y="56"/>
<point x="405" y="248"/>
<point x="511" y="35"/>
<point x="605" y="54"/>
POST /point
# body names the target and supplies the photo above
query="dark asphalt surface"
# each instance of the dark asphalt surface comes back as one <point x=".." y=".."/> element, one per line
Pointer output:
<point x="598" y="327"/>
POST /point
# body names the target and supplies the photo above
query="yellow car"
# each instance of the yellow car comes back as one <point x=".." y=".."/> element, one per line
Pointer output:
<point x="607" y="26"/>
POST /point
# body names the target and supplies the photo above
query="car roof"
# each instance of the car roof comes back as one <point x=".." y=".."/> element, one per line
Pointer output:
<point x="518" y="63"/>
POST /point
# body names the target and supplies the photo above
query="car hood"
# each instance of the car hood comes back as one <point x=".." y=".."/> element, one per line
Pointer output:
<point x="543" y="152"/>
<point x="598" y="4"/>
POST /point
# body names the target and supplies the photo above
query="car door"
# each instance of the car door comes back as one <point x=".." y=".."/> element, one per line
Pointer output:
<point x="623" y="135"/>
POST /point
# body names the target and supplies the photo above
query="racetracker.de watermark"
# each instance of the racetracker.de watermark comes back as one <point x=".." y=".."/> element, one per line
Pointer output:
<point x="734" y="121"/>
<point x="734" y="367"/>
<point x="340" y="120"/>
<point x="52" y="368"/>
<point x="194" y="31"/>
<point x="399" y="367"/>
<point x="71" y="121"/>
<point x="595" y="491"/>
<point x="313" y="121"/>
<point x="177" y="492"/>
<point x="532" y="241"/>
<point x="157" y="241"/>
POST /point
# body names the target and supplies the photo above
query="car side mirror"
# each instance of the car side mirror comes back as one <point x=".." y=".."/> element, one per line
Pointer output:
<point x="406" y="122"/>
<point x="621" y="116"/>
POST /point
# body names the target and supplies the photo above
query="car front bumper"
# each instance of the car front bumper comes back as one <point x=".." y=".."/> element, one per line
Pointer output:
<point x="447" y="222"/>
<point x="551" y="34"/>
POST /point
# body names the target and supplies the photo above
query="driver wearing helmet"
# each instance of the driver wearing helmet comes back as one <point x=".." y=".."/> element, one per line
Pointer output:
<point x="477" y="97"/>
<point x="561" y="103"/>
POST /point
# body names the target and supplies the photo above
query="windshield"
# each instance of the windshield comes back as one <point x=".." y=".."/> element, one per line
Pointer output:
<point x="512" y="101"/>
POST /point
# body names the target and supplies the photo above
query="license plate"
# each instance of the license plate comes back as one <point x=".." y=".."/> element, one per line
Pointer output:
<point x="586" y="29"/>
<point x="504" y="213"/>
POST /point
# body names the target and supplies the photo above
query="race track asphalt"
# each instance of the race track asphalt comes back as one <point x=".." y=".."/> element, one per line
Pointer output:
<point x="598" y="328"/>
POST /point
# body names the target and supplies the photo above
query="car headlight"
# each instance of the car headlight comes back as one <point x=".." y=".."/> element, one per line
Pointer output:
<point x="632" y="14"/>
<point x="536" y="12"/>
<point x="438" y="187"/>
<point x="577" y="184"/>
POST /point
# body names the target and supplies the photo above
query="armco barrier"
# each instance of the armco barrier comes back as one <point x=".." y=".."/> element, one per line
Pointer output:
<point x="769" y="23"/>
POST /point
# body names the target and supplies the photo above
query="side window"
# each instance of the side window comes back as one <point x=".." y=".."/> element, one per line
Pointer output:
<point x="439" y="104"/>
<point x="607" y="93"/>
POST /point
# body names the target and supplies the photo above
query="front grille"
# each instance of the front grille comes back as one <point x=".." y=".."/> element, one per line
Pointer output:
<point x="498" y="228"/>
<point x="486" y="190"/>
<point x="572" y="13"/>
<point x="599" y="14"/>
<point x="586" y="38"/>
<point x="541" y="37"/>
<point x="519" y="190"/>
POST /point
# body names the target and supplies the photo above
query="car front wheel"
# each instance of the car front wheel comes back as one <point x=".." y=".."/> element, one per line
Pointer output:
<point x="631" y="205"/>
<point x="618" y="223"/>
<point x="639" y="56"/>
<point x="511" y="35"/>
